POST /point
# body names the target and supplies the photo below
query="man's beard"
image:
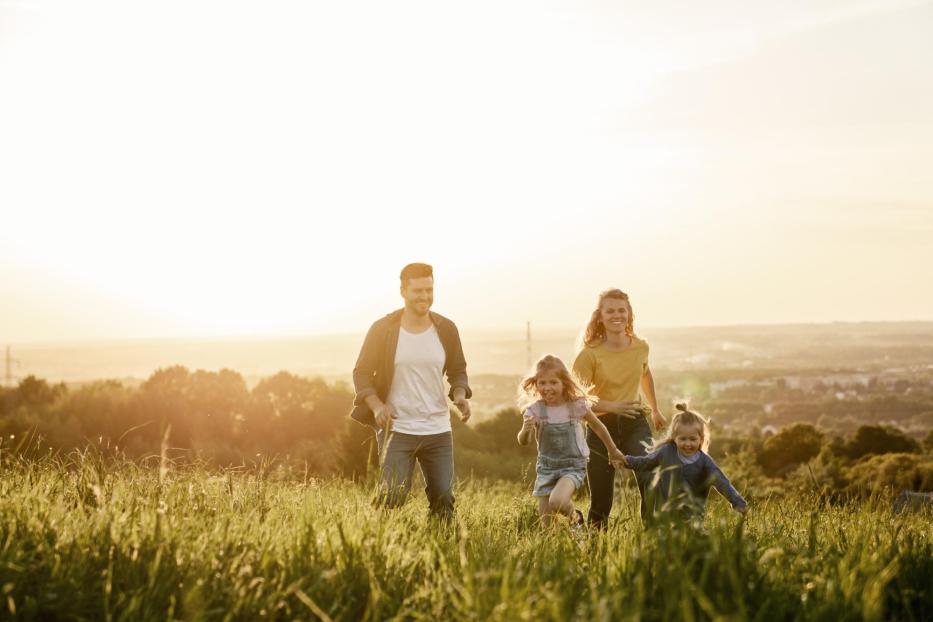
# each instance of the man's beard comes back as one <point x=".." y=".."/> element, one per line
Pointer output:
<point x="414" y="308"/>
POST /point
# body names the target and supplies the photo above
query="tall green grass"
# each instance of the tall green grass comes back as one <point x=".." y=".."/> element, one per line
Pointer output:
<point x="84" y="538"/>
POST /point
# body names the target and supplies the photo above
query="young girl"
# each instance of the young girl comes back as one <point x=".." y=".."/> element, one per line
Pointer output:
<point x="685" y="470"/>
<point x="554" y="408"/>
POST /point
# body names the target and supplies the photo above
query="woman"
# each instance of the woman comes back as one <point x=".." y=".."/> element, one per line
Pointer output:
<point x="615" y="362"/>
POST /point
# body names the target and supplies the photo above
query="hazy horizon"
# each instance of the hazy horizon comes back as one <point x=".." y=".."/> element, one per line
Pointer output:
<point x="548" y="331"/>
<point x="868" y="346"/>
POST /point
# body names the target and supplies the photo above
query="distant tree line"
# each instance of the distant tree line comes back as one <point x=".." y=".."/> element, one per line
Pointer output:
<point x="876" y="458"/>
<point x="209" y="417"/>
<point x="301" y="423"/>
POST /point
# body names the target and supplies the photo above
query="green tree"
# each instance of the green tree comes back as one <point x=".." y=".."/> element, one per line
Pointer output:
<point x="790" y="447"/>
<point x="299" y="418"/>
<point x="891" y="471"/>
<point x="216" y="403"/>
<point x="877" y="439"/>
<point x="163" y="400"/>
<point x="101" y="413"/>
<point x="928" y="441"/>
<point x="497" y="434"/>
<point x="35" y="393"/>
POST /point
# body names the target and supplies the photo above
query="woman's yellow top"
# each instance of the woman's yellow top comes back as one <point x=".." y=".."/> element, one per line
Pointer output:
<point x="614" y="375"/>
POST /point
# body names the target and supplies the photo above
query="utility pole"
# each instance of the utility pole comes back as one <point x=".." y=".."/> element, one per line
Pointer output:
<point x="8" y="376"/>
<point x="8" y="381"/>
<point x="528" y="345"/>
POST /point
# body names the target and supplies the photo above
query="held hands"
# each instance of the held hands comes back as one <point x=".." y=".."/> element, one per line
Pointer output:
<point x="617" y="458"/>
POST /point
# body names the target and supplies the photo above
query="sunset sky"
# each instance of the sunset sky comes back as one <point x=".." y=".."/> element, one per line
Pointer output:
<point x="207" y="168"/>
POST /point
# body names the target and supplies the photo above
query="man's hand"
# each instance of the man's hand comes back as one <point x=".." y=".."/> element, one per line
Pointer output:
<point x="384" y="415"/>
<point x="463" y="405"/>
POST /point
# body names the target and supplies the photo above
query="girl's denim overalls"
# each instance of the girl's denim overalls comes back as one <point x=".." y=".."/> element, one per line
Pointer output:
<point x="558" y="453"/>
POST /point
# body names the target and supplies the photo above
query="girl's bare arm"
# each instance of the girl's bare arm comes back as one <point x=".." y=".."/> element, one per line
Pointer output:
<point x="599" y="429"/>
<point x="528" y="428"/>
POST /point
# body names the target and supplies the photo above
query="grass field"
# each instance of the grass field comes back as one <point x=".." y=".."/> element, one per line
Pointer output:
<point x="86" y="539"/>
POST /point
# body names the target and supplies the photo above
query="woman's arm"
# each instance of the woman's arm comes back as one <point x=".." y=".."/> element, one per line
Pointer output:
<point x="647" y="387"/>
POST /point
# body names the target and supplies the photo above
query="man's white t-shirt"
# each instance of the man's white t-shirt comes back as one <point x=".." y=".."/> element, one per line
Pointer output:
<point x="417" y="393"/>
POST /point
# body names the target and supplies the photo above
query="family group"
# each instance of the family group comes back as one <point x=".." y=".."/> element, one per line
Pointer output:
<point x="588" y="419"/>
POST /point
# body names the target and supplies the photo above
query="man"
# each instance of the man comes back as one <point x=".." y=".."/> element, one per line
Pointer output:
<point x="399" y="382"/>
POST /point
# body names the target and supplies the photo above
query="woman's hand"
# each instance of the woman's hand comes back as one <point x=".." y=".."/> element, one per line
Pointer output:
<point x="630" y="409"/>
<point x="658" y="420"/>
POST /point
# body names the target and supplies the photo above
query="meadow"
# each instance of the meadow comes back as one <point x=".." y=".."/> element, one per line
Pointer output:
<point x="86" y="537"/>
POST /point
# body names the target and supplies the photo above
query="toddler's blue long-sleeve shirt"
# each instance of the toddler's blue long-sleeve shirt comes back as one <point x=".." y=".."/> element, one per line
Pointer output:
<point x="684" y="484"/>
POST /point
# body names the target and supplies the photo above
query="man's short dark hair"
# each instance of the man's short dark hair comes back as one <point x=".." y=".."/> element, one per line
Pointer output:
<point x="415" y="271"/>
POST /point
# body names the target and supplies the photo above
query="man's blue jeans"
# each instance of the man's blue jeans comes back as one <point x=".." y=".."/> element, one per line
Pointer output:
<point x="435" y="456"/>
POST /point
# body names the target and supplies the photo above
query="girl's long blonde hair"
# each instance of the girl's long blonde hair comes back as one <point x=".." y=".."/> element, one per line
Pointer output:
<point x="685" y="417"/>
<point x="595" y="331"/>
<point x="573" y="389"/>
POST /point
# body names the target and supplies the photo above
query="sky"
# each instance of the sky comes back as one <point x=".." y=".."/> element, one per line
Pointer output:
<point x="207" y="168"/>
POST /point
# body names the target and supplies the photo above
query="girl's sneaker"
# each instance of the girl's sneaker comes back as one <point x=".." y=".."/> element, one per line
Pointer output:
<point x="578" y="529"/>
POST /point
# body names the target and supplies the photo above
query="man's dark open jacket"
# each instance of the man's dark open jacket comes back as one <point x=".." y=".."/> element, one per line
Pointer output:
<point x="375" y="365"/>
